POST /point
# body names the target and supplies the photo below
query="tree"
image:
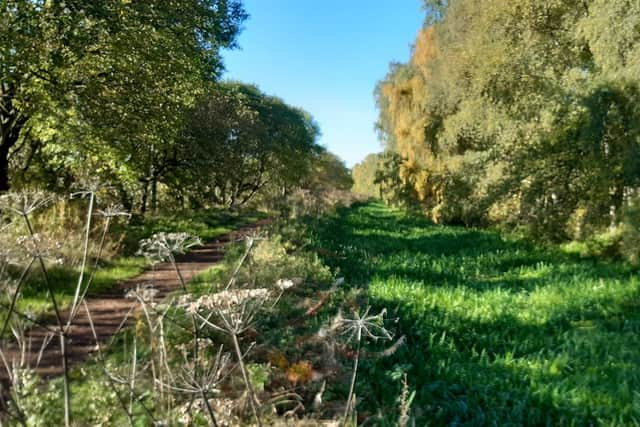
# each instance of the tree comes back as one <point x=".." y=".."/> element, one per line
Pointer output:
<point x="521" y="112"/>
<point x="328" y="172"/>
<point x="107" y="72"/>
<point x="364" y="175"/>
<point x="241" y="140"/>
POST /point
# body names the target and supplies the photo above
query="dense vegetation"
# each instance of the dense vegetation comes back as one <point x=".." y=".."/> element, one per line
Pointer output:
<point x="119" y="105"/>
<point x="499" y="331"/>
<point x="128" y="93"/>
<point x="514" y="126"/>
<point x="521" y="113"/>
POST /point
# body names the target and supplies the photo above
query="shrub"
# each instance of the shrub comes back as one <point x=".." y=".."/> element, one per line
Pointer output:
<point x="630" y="231"/>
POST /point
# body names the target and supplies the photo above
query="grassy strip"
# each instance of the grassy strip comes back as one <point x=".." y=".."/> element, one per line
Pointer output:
<point x="498" y="331"/>
<point x="207" y="224"/>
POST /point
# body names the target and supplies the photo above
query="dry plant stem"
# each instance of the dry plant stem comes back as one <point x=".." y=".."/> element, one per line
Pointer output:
<point x="103" y="364"/>
<point x="245" y="376"/>
<point x="232" y="280"/>
<point x="126" y="382"/>
<point x="163" y="366"/>
<point x="405" y="404"/>
<point x="207" y="405"/>
<point x="62" y="334"/>
<point x="14" y="298"/>
<point x="132" y="376"/>
<point x="178" y="272"/>
<point x="6" y="365"/>
<point x="193" y="320"/>
<point x="277" y="300"/>
<point x="85" y="255"/>
<point x="196" y="355"/>
<point x="352" y="388"/>
<point x="83" y="295"/>
<point x="67" y="390"/>
<point x="44" y="273"/>
<point x="155" y="344"/>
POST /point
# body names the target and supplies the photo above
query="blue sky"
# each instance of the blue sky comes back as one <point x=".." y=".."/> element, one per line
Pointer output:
<point x="326" y="57"/>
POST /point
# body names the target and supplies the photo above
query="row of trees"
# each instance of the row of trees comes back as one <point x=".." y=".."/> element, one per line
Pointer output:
<point x="240" y="141"/>
<point x="517" y="112"/>
<point x="128" y="92"/>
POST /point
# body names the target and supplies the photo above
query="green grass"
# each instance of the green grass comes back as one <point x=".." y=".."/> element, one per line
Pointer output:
<point x="207" y="224"/>
<point x="34" y="300"/>
<point x="499" y="331"/>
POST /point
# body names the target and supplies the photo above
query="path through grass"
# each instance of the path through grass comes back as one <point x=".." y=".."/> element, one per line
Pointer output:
<point x="499" y="331"/>
<point x="206" y="224"/>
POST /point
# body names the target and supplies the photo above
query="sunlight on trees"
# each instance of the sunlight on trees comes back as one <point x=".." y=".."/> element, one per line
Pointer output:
<point x="520" y="113"/>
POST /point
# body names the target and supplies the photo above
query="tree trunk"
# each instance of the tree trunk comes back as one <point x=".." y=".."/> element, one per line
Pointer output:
<point x="143" y="202"/>
<point x="4" y="168"/>
<point x="125" y="198"/>
<point x="11" y="123"/>
<point x="154" y="195"/>
<point x="617" y="201"/>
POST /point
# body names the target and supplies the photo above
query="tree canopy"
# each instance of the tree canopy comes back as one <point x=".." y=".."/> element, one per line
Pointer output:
<point x="129" y="93"/>
<point x="519" y="112"/>
<point x="80" y="79"/>
<point x="240" y="140"/>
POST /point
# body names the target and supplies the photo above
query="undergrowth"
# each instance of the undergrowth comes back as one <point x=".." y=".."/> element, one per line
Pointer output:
<point x="372" y="316"/>
<point x="59" y="225"/>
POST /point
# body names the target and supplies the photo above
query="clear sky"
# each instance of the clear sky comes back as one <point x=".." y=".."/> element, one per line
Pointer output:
<point x="326" y="57"/>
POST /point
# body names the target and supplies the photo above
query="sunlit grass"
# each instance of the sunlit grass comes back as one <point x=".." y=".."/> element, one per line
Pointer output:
<point x="34" y="300"/>
<point x="208" y="225"/>
<point x="499" y="331"/>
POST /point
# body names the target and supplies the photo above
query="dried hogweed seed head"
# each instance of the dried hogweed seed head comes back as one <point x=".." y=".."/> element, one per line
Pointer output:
<point x="37" y="246"/>
<point x="284" y="284"/>
<point x="161" y="246"/>
<point x="113" y="211"/>
<point x="89" y="186"/>
<point x="25" y="202"/>
<point x="231" y="298"/>
<point x="365" y="326"/>
<point x="145" y="292"/>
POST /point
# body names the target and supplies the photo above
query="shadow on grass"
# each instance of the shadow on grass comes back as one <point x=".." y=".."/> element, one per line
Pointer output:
<point x="566" y="354"/>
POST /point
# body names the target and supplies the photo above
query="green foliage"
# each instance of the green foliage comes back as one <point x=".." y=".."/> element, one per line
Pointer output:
<point x="393" y="189"/>
<point x="34" y="297"/>
<point x="204" y="223"/>
<point x="520" y="113"/>
<point x="104" y="85"/>
<point x="258" y="375"/>
<point x="39" y="401"/>
<point x="128" y="91"/>
<point x="364" y="176"/>
<point x="272" y="259"/>
<point x="498" y="331"/>
<point x="328" y="172"/>
<point x="240" y="141"/>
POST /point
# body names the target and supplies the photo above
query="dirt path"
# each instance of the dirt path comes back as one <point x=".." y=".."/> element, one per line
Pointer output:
<point x="112" y="310"/>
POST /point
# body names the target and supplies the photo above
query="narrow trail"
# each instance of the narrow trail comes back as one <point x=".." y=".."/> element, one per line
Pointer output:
<point x="111" y="311"/>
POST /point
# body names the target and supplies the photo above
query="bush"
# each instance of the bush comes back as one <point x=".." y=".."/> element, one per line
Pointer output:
<point x="630" y="231"/>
